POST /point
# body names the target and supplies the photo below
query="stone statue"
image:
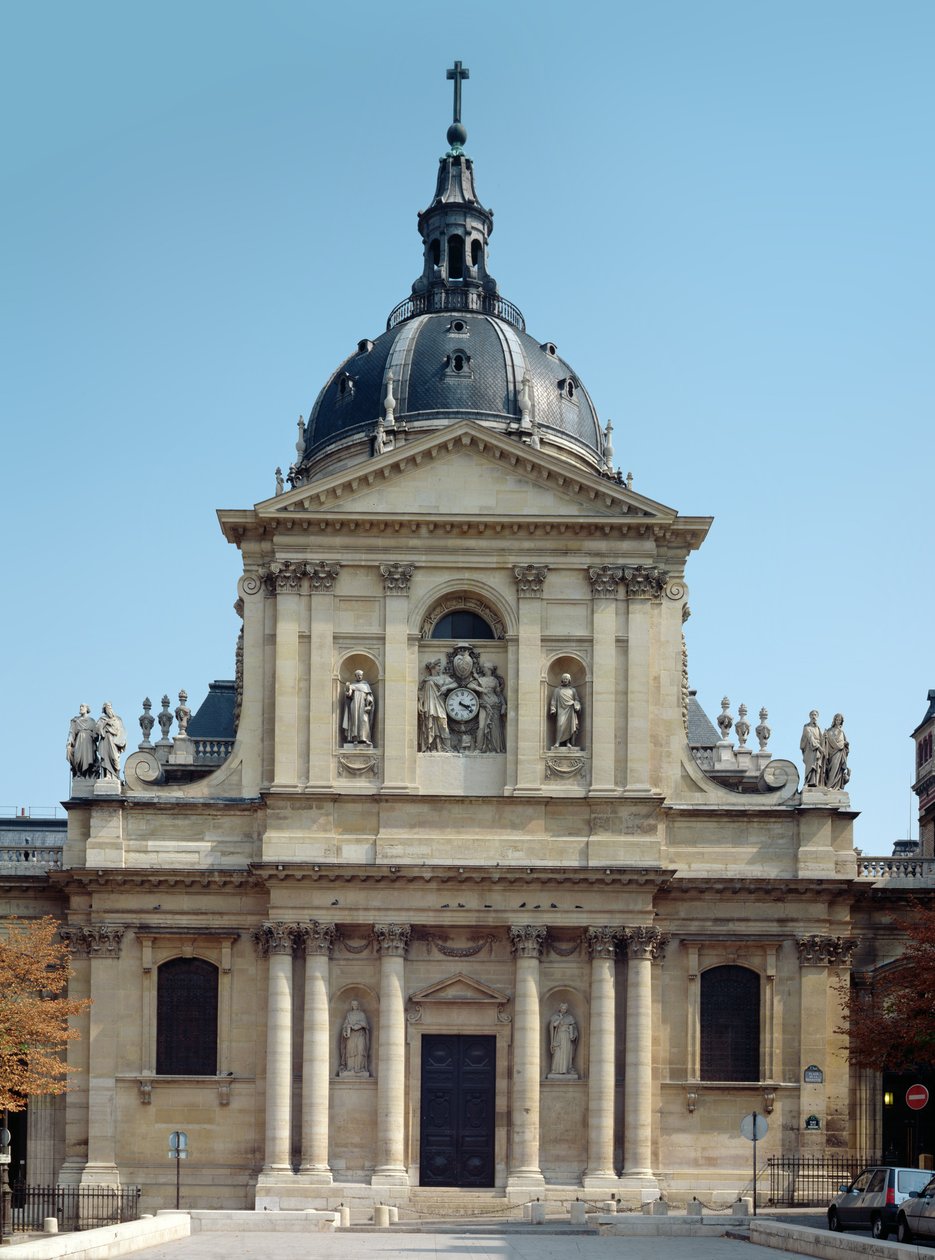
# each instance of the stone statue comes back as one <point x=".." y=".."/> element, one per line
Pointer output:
<point x="280" y="483"/>
<point x="81" y="748"/>
<point x="492" y="711"/>
<point x="433" y="718"/>
<point x="183" y="714"/>
<point x="112" y="740"/>
<point x="355" y="1043"/>
<point x="358" y="710"/>
<point x="812" y="747"/>
<point x="835" y="748"/>
<point x="565" y="707"/>
<point x="563" y="1038"/>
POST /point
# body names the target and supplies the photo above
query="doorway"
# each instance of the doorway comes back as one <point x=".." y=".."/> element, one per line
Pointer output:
<point x="458" y="1105"/>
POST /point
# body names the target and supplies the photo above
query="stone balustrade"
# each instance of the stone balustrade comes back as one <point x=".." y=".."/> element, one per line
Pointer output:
<point x="916" y="870"/>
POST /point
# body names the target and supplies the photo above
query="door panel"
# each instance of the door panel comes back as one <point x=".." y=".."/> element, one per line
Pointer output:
<point x="457" y="1123"/>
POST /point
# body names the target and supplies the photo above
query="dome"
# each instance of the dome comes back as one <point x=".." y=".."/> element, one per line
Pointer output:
<point x="453" y="350"/>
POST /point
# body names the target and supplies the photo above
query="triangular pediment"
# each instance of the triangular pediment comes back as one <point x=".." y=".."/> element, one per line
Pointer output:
<point x="459" y="988"/>
<point x="466" y="471"/>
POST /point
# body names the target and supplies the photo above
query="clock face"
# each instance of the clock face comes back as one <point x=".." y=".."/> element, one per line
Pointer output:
<point x="462" y="704"/>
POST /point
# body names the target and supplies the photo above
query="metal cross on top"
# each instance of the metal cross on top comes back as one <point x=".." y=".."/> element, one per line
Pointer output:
<point x="457" y="72"/>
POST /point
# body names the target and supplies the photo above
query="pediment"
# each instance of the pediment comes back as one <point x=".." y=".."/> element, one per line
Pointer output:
<point x="466" y="471"/>
<point x="459" y="988"/>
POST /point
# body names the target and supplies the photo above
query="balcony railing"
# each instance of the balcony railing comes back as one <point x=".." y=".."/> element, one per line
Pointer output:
<point x="471" y="300"/>
<point x="915" y="869"/>
<point x="17" y="858"/>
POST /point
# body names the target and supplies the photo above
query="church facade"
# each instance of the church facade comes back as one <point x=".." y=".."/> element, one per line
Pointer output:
<point x="463" y="904"/>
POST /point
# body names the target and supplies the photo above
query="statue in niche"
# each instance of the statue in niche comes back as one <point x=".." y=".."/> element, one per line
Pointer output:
<point x="358" y="711"/>
<point x="492" y="710"/>
<point x="565" y="707"/>
<point x="812" y="747"/>
<point x="563" y="1040"/>
<point x="81" y="747"/>
<point x="433" y="717"/>
<point x="111" y="741"/>
<point x="354" y="1056"/>
<point x="836" y="748"/>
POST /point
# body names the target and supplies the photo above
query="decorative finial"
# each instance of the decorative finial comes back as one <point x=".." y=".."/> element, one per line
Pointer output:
<point x="457" y="133"/>
<point x="525" y="403"/>
<point x="300" y="440"/>
<point x="742" y="726"/>
<point x="389" y="402"/>
<point x="724" y="720"/>
<point x="608" y="449"/>
<point x="629" y="481"/>
<point x="762" y="731"/>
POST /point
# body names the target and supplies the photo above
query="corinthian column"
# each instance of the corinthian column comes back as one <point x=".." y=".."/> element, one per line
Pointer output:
<point x="527" y="944"/>
<point x="602" y="944"/>
<point x="643" y="945"/>
<point x="392" y="942"/>
<point x="316" y="1056"/>
<point x="275" y="941"/>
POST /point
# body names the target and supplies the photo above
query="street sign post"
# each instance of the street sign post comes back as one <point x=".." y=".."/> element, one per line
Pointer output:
<point x="917" y="1097"/>
<point x="754" y="1128"/>
<point x="178" y="1150"/>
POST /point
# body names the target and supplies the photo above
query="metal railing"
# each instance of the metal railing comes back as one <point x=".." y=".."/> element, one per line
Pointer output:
<point x="812" y="1181"/>
<point x="74" y="1207"/>
<point x="456" y="300"/>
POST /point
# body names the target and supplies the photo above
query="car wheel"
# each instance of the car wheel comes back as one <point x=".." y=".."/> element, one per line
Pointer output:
<point x="834" y="1221"/>
<point x="903" y="1232"/>
<point x="877" y="1228"/>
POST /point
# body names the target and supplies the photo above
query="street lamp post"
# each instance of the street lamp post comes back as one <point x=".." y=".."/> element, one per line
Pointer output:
<point x="6" y="1196"/>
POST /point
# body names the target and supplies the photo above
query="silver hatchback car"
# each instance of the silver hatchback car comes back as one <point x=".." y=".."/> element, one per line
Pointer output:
<point x="872" y="1199"/>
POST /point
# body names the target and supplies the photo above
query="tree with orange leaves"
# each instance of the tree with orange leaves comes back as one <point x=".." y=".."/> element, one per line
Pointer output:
<point x="34" y="1011"/>
<point x="890" y="1019"/>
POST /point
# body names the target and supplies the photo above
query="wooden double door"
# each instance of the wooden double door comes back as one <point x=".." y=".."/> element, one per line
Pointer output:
<point x="458" y="1110"/>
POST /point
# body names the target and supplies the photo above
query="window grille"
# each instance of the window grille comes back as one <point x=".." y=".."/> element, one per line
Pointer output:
<point x="730" y="1024"/>
<point x="187" y="1018"/>
<point x="462" y="624"/>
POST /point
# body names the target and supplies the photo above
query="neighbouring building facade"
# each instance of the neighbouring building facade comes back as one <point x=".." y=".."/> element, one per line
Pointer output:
<point x="456" y="885"/>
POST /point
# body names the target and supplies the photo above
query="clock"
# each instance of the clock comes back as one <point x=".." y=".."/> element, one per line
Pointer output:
<point x="462" y="704"/>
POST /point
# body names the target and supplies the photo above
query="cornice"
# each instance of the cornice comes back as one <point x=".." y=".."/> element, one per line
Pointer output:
<point x="776" y="888"/>
<point x="124" y="877"/>
<point x="527" y="877"/>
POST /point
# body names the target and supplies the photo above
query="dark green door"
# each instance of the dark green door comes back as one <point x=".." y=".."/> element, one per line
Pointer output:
<point x="457" y="1128"/>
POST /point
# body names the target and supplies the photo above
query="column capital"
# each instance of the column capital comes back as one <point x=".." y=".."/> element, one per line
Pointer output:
<point x="317" y="938"/>
<point x="644" y="581"/>
<point x="604" y="579"/>
<point x="275" y="938"/>
<point x="392" y="939"/>
<point x="94" y="940"/>
<point x="291" y="577"/>
<point x="826" y="951"/>
<point x="527" y="940"/>
<point x="530" y="579"/>
<point x="322" y="576"/>
<point x="396" y="577"/>
<point x="645" y="942"/>
<point x="602" y="941"/>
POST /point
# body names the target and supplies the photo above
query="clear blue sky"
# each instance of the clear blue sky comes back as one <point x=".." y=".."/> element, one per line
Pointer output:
<point x="721" y="212"/>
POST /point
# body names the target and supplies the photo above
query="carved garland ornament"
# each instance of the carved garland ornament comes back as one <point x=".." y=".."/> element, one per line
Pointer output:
<point x="460" y="951"/>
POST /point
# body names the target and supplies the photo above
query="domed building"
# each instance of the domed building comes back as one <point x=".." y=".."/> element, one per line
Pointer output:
<point x="461" y="894"/>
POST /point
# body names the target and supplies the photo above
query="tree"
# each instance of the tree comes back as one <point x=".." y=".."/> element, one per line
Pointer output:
<point x="890" y="1020"/>
<point x="34" y="1012"/>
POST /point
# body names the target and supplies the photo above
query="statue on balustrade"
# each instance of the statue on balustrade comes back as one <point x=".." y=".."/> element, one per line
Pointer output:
<point x="835" y="750"/>
<point x="358" y="711"/>
<point x="81" y="748"/>
<point x="565" y="707"/>
<point x="563" y="1041"/>
<point x="812" y="748"/>
<point x="354" y="1056"/>
<point x="111" y="741"/>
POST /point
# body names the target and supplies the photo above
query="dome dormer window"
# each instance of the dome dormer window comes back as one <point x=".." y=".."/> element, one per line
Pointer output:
<point x="568" y="387"/>
<point x="345" y="387"/>
<point x="458" y="363"/>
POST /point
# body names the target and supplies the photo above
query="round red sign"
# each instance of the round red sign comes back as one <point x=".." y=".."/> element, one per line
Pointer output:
<point x="916" y="1097"/>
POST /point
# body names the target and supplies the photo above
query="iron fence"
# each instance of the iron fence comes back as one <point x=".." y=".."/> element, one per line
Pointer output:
<point x="74" y="1207"/>
<point x="812" y="1181"/>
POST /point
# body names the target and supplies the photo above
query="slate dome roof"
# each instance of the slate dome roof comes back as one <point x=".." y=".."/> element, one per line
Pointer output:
<point x="454" y="349"/>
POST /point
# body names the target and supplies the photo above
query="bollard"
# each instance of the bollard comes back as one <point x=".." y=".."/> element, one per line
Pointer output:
<point x="694" y="1209"/>
<point x="741" y="1206"/>
<point x="609" y="1206"/>
<point x="660" y="1208"/>
<point x="537" y="1213"/>
<point x="394" y="1214"/>
<point x="578" y="1213"/>
<point x="527" y="1211"/>
<point x="50" y="1225"/>
<point x="345" y="1216"/>
<point x="381" y="1215"/>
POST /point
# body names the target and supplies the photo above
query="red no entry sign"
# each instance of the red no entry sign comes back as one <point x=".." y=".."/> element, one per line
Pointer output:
<point x="916" y="1097"/>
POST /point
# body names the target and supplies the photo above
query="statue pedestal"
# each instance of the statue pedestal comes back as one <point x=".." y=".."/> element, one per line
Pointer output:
<point x="108" y="787"/>
<point x="183" y="752"/>
<point x="562" y="1076"/>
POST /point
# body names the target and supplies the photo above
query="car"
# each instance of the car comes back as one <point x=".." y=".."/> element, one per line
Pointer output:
<point x="872" y="1200"/>
<point x="916" y="1215"/>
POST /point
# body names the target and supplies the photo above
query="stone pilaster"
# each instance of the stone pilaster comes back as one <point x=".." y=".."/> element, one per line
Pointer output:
<point x="276" y="941"/>
<point x="318" y="939"/>
<point x="286" y="697"/>
<point x="530" y="579"/>
<point x="643" y="945"/>
<point x="322" y="727"/>
<point x="79" y="1056"/>
<point x="602" y="946"/>
<point x="526" y="941"/>
<point x="604" y="581"/>
<point x="398" y="689"/>
<point x="823" y="960"/>
<point x="392" y="942"/>
<point x="645" y="585"/>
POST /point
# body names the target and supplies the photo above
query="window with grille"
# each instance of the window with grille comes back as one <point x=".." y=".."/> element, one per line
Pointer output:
<point x="462" y="624"/>
<point x="187" y="1018"/>
<point x="730" y="1024"/>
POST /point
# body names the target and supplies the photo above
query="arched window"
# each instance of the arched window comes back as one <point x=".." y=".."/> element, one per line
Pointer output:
<point x="462" y="624"/>
<point x="475" y="252"/>
<point x="730" y="1024"/>
<point x="187" y="1018"/>
<point x="455" y="257"/>
<point x="436" y="249"/>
